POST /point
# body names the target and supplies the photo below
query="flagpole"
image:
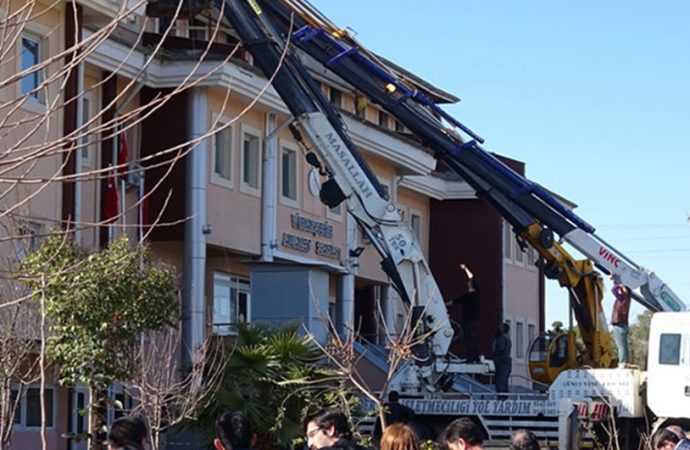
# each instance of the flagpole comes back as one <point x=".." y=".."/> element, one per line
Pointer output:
<point x="116" y="149"/>
<point x="141" y="204"/>
<point x="122" y="205"/>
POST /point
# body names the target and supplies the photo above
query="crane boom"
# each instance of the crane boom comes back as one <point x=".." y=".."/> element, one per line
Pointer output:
<point x="349" y="179"/>
<point x="533" y="212"/>
<point x="269" y="28"/>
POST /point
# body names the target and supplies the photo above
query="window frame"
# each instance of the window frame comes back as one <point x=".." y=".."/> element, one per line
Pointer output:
<point x="23" y="407"/>
<point x="384" y="120"/>
<point x="289" y="146"/>
<point x="241" y="285"/>
<point x="416" y="233"/>
<point x="87" y="154"/>
<point x="337" y="212"/>
<point x="520" y="348"/>
<point x="48" y="42"/>
<point x="507" y="242"/>
<point x="519" y="257"/>
<point x="33" y="232"/>
<point x="39" y="96"/>
<point x="531" y="333"/>
<point x="335" y="97"/>
<point x="663" y="352"/>
<point x="217" y="178"/>
<point x="244" y="186"/>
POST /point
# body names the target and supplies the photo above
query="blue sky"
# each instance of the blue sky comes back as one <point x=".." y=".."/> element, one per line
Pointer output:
<point x="593" y="96"/>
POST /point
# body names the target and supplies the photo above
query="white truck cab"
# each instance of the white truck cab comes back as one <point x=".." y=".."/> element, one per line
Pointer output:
<point x="668" y="365"/>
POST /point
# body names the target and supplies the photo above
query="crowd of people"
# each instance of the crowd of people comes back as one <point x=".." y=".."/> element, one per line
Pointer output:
<point x="330" y="429"/>
<point x="327" y="429"/>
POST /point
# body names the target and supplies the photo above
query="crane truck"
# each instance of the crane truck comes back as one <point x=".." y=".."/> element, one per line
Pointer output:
<point x="271" y="27"/>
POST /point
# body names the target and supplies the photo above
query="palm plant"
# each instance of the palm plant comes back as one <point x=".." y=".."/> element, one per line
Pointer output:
<point x="274" y="376"/>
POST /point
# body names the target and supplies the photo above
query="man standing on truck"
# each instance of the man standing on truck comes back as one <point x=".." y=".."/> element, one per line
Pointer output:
<point x="501" y="350"/>
<point x="619" y="320"/>
<point x="470" y="314"/>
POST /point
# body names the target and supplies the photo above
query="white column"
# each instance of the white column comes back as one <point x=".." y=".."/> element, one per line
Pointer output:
<point x="193" y="302"/>
<point x="269" y="192"/>
<point x="346" y="286"/>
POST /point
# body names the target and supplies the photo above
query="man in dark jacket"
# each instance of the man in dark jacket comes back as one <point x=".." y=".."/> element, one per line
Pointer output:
<point x="470" y="314"/>
<point x="501" y="349"/>
<point x="328" y="429"/>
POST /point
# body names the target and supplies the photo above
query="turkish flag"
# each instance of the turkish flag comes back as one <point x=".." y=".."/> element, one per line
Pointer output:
<point x="112" y="201"/>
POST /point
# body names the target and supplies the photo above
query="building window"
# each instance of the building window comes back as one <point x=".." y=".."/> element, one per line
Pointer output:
<point x="18" y="410"/>
<point x="399" y="127"/>
<point x="118" y="402"/>
<point x="519" y="340"/>
<point x="383" y="119"/>
<point x="288" y="174"/>
<point x="519" y="254"/>
<point x="531" y="333"/>
<point x="79" y="423"/>
<point x="416" y="225"/>
<point x="31" y="57"/>
<point x="222" y="155"/>
<point x="29" y="233"/>
<point x="335" y="213"/>
<point x="669" y="349"/>
<point x="85" y="116"/>
<point x="251" y="161"/>
<point x="198" y="30"/>
<point x="231" y="303"/>
<point x="28" y="412"/>
<point x="336" y="97"/>
<point x="531" y="256"/>
<point x="507" y="241"/>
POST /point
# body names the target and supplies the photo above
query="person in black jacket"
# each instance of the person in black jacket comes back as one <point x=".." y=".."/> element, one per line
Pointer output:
<point x="470" y="314"/>
<point x="395" y="412"/>
<point x="501" y="350"/>
<point x="329" y="429"/>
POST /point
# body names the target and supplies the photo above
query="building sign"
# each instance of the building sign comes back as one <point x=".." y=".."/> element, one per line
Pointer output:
<point x="327" y="250"/>
<point x="508" y="407"/>
<point x="315" y="228"/>
<point x="296" y="242"/>
<point x="311" y="226"/>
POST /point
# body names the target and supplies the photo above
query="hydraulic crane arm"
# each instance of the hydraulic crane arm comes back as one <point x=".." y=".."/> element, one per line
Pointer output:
<point x="521" y="202"/>
<point x="349" y="177"/>
<point x="533" y="212"/>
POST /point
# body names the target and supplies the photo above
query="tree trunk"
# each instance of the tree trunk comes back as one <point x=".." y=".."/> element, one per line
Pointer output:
<point x="97" y="412"/>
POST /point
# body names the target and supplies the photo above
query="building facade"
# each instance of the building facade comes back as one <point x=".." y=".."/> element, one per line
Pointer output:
<point x="220" y="188"/>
